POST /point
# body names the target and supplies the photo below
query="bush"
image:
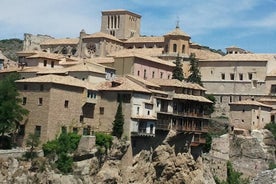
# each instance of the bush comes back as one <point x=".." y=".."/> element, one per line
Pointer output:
<point x="104" y="140"/>
<point x="64" y="163"/>
<point x="272" y="166"/>
<point x="50" y="147"/>
<point x="66" y="143"/>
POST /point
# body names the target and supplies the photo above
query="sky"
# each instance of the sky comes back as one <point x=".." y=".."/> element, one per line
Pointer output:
<point x="248" y="24"/>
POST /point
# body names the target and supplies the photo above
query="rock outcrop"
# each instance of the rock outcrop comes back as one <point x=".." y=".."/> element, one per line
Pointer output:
<point x="248" y="154"/>
<point x="267" y="177"/>
<point x="161" y="165"/>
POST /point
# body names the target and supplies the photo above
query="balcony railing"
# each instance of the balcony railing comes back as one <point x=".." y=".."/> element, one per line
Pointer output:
<point x="191" y="114"/>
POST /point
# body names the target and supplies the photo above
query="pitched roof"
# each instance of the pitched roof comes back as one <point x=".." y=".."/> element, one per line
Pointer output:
<point x="102" y="35"/>
<point x="61" y="41"/>
<point x="143" y="51"/>
<point x="205" y="54"/>
<point x="145" y="39"/>
<point x="191" y="97"/>
<point x="122" y="84"/>
<point x="176" y="83"/>
<point x="83" y="67"/>
<point x="57" y="79"/>
<point x="47" y="55"/>
<point x="245" y="57"/>
<point x="131" y="53"/>
<point x="249" y="103"/>
<point x="142" y="81"/>
<point x="177" y="32"/>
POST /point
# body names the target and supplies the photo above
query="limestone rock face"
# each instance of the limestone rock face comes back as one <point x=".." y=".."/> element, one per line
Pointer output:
<point x="164" y="166"/>
<point x="267" y="177"/>
<point x="160" y="165"/>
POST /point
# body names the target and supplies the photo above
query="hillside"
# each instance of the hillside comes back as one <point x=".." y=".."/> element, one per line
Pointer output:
<point x="9" y="47"/>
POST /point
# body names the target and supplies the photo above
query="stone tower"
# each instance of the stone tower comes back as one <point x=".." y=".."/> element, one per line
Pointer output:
<point x="121" y="23"/>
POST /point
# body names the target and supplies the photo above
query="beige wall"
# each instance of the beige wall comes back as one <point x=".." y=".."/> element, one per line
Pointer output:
<point x="124" y="66"/>
<point x="249" y="117"/>
<point x="52" y="114"/>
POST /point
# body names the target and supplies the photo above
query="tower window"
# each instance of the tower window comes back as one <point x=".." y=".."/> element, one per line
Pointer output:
<point x="174" y="47"/>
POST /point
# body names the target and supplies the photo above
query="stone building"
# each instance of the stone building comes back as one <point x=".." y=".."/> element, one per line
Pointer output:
<point x="236" y="77"/>
<point x="249" y="115"/>
<point x="58" y="103"/>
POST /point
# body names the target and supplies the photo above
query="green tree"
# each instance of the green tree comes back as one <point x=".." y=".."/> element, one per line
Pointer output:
<point x="177" y="70"/>
<point x="195" y="76"/>
<point x="210" y="108"/>
<point x="118" y="123"/>
<point x="11" y="112"/>
<point x="32" y="141"/>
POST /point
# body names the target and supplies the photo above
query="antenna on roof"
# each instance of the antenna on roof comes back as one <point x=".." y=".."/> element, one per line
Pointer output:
<point x="177" y="22"/>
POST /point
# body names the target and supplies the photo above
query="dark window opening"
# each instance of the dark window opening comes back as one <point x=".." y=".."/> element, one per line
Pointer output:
<point x="38" y="131"/>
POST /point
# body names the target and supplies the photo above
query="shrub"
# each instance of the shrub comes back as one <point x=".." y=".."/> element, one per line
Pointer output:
<point x="104" y="140"/>
<point x="66" y="143"/>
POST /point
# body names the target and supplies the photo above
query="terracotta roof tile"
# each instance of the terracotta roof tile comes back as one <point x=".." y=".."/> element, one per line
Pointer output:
<point x="249" y="102"/>
<point x="102" y="35"/>
<point x="123" y="84"/>
<point x="177" y="32"/>
<point x="46" y="55"/>
<point x="145" y="39"/>
<point x="63" y="80"/>
<point x="192" y="98"/>
<point x="62" y="41"/>
<point x="144" y="82"/>
<point x="176" y="83"/>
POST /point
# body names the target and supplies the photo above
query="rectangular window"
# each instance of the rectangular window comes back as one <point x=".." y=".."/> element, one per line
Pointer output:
<point x="161" y="75"/>
<point x="25" y="87"/>
<point x="66" y="103"/>
<point x="40" y="101"/>
<point x="223" y="76"/>
<point x="75" y="130"/>
<point x="145" y="74"/>
<point x="64" y="129"/>
<point x="38" y="131"/>
<point x="138" y="109"/>
<point x="250" y="76"/>
<point x="52" y="64"/>
<point x="232" y="76"/>
<point x="241" y="76"/>
<point x="41" y="87"/>
<point x="45" y="63"/>
<point x="81" y="118"/>
<point x="24" y="100"/>
<point x="152" y="76"/>
<point x="101" y="110"/>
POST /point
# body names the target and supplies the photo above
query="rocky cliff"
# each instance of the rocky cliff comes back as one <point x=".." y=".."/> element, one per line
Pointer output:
<point x="161" y="165"/>
<point x="250" y="154"/>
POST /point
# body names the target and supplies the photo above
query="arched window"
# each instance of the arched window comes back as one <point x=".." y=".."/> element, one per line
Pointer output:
<point x="174" y="47"/>
<point x="183" y="48"/>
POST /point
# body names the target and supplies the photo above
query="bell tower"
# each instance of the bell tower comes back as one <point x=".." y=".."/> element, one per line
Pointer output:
<point x="122" y="24"/>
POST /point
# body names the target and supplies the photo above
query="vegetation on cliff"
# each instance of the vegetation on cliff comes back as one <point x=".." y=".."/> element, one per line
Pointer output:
<point x="233" y="177"/>
<point x="11" y="111"/>
<point x="9" y="47"/>
<point x="64" y="145"/>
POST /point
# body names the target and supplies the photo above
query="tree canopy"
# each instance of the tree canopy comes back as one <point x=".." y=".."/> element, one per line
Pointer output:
<point x="118" y="123"/>
<point x="195" y="76"/>
<point x="11" y="112"/>
<point x="177" y="70"/>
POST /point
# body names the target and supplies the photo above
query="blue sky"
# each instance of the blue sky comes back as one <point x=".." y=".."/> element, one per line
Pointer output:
<point x="249" y="24"/>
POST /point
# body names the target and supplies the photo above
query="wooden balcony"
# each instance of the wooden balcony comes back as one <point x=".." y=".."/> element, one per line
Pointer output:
<point x="191" y="114"/>
<point x="163" y="125"/>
